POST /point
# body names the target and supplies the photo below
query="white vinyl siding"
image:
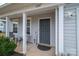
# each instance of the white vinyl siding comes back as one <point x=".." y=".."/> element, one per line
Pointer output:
<point x="70" y="46"/>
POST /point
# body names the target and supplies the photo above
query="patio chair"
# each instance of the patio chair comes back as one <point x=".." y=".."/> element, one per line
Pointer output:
<point x="34" y="39"/>
<point x="12" y="36"/>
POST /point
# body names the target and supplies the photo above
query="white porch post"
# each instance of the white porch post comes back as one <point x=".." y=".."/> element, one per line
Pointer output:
<point x="61" y="29"/>
<point x="7" y="24"/>
<point x="24" y="33"/>
<point x="56" y="31"/>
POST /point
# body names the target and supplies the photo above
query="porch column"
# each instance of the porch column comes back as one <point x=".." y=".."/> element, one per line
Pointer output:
<point x="61" y="27"/>
<point x="7" y="24"/>
<point x="24" y="33"/>
<point x="56" y="31"/>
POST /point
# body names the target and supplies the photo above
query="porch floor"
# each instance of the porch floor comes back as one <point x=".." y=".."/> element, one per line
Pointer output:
<point x="32" y="50"/>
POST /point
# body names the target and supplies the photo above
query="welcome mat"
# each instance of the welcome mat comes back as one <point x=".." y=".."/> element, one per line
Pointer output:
<point x="44" y="48"/>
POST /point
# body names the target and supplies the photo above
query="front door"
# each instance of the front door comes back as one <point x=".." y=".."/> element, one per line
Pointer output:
<point x="44" y="31"/>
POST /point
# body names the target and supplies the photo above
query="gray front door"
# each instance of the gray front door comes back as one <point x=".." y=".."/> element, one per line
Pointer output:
<point x="44" y="31"/>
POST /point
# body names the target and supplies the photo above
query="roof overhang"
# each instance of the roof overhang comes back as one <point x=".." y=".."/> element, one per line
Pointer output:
<point x="32" y="10"/>
<point x="4" y="4"/>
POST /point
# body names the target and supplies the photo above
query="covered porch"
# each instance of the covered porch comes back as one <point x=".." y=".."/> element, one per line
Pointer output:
<point x="32" y="31"/>
<point x="33" y="36"/>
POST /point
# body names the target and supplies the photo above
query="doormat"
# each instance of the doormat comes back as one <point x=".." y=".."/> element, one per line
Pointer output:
<point x="43" y="48"/>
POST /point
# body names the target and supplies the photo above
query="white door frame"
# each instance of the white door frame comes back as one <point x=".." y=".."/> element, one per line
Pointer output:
<point x="39" y="28"/>
<point x="77" y="31"/>
<point x="60" y="30"/>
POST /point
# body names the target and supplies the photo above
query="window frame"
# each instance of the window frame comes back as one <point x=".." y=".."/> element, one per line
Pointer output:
<point x="28" y="26"/>
<point x="16" y="23"/>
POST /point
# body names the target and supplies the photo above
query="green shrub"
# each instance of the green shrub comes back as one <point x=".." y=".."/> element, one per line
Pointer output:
<point x="7" y="47"/>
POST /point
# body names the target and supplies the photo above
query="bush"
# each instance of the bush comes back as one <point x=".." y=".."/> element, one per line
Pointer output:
<point x="7" y="47"/>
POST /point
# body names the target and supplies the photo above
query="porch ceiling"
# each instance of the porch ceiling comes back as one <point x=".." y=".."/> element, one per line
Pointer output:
<point x="16" y="16"/>
<point x="15" y="6"/>
<point x="45" y="8"/>
<point x="34" y="12"/>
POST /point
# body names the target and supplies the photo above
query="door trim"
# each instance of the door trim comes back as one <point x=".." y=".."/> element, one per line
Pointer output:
<point x="39" y="30"/>
<point x="77" y="27"/>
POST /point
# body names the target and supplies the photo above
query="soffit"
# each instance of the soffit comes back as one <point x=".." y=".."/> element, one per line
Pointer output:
<point x="15" y="6"/>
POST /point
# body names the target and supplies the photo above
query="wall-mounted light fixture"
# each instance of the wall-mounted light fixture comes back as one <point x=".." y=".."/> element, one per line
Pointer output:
<point x="69" y="14"/>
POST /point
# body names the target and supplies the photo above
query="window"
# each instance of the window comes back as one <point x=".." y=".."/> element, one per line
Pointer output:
<point x="1" y="24"/>
<point x="28" y="26"/>
<point x="14" y="28"/>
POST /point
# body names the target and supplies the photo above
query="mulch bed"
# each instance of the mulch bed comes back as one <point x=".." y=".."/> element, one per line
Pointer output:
<point x="14" y="54"/>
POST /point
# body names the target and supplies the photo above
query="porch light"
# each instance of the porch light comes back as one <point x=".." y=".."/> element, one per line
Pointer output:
<point x="69" y="14"/>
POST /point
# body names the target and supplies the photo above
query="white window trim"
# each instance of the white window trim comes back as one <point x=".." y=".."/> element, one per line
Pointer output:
<point x="17" y="27"/>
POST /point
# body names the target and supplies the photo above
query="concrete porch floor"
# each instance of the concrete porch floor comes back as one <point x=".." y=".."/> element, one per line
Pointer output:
<point x="32" y="50"/>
